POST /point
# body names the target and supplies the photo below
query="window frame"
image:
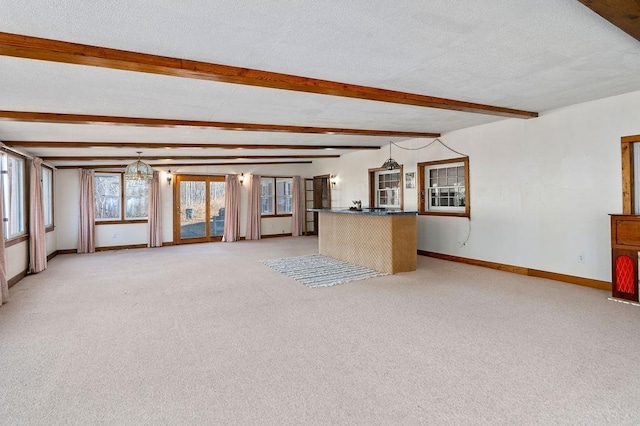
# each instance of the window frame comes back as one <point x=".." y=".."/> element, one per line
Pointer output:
<point x="274" y="197"/>
<point x="122" y="197"/>
<point x="628" y="173"/>
<point x="49" y="227"/>
<point x="422" y="188"/>
<point x="373" y="201"/>
<point x="24" y="235"/>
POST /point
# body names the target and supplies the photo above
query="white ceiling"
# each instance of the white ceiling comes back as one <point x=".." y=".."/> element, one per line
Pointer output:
<point x="532" y="56"/>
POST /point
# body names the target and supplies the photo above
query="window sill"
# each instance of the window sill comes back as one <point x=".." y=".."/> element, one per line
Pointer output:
<point x="16" y="240"/>
<point x="49" y="229"/>
<point x="120" y="222"/>
<point x="453" y="214"/>
<point x="266" y="216"/>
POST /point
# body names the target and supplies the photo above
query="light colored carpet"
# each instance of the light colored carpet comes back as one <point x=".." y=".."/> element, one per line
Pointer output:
<point x="316" y="270"/>
<point x="204" y="334"/>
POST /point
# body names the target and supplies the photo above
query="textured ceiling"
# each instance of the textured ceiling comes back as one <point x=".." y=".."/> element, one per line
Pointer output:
<point x="533" y="56"/>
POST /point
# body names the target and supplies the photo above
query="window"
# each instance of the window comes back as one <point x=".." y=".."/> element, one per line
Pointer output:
<point x="276" y="196"/>
<point x="109" y="196"/>
<point x="444" y="187"/>
<point x="385" y="188"/>
<point x="388" y="188"/>
<point x="47" y="196"/>
<point x="13" y="186"/>
<point x="136" y="199"/>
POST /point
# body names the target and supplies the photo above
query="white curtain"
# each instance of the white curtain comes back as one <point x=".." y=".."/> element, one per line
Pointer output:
<point x="297" y="207"/>
<point x="155" y="212"/>
<point x="37" y="231"/>
<point x="253" y="208"/>
<point x="231" y="209"/>
<point x="86" y="231"/>
<point x="4" y="285"/>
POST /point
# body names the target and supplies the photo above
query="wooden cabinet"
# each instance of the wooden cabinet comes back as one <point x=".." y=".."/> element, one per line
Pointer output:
<point x="625" y="245"/>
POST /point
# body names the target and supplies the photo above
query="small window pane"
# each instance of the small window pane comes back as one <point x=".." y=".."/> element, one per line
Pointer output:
<point x="387" y="189"/>
<point x="136" y="199"/>
<point x="107" y="196"/>
<point x="284" y="195"/>
<point x="13" y="188"/>
<point x="47" y="196"/>
<point x="267" y="193"/>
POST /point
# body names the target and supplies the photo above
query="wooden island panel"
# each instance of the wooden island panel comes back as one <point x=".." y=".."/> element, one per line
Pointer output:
<point x="385" y="243"/>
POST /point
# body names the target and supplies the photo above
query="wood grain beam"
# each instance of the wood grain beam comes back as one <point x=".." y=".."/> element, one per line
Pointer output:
<point x="22" y="46"/>
<point x="168" y="166"/>
<point x="624" y="14"/>
<point x="182" y="157"/>
<point x="176" y="145"/>
<point x="50" y="117"/>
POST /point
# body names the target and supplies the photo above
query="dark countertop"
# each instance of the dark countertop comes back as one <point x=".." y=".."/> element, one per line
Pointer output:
<point x="366" y="211"/>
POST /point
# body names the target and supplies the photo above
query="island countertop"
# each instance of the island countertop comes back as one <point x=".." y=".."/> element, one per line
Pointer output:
<point x="366" y="211"/>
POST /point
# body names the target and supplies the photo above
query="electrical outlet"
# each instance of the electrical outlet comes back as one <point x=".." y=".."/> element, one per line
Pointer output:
<point x="581" y="258"/>
<point x="114" y="236"/>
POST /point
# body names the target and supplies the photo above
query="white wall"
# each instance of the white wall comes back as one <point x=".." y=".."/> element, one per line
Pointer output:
<point x="17" y="259"/>
<point x="540" y="189"/>
<point x="52" y="242"/>
<point x="67" y="202"/>
<point x="67" y="198"/>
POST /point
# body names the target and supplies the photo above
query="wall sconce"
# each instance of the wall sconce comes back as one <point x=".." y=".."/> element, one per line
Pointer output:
<point x="241" y="179"/>
<point x="169" y="177"/>
<point x="333" y="181"/>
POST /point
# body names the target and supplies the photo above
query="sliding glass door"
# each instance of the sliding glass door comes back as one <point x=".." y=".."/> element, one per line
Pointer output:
<point x="198" y="208"/>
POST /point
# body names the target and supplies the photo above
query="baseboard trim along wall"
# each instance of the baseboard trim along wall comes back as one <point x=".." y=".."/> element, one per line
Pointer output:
<point x="275" y="235"/>
<point x="13" y="281"/>
<point x="587" y="282"/>
<point x="123" y="247"/>
<point x="67" y="251"/>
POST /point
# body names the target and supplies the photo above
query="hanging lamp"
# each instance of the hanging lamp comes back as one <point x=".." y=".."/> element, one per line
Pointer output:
<point x="138" y="170"/>
<point x="390" y="164"/>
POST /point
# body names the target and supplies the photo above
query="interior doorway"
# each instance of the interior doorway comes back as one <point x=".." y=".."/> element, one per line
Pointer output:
<point x="321" y="196"/>
<point x="198" y="212"/>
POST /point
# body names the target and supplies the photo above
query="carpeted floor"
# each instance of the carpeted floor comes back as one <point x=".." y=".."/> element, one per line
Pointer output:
<point x="205" y="333"/>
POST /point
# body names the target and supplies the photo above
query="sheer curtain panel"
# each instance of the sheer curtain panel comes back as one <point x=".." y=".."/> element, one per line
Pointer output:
<point x="253" y="208"/>
<point x="4" y="285"/>
<point x="87" y="229"/>
<point x="37" y="232"/>
<point x="155" y="212"/>
<point x="231" y="209"/>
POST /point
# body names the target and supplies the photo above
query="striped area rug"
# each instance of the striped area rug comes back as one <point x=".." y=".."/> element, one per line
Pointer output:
<point x="316" y="270"/>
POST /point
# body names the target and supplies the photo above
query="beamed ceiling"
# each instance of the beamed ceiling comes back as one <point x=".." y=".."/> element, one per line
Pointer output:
<point x="212" y="82"/>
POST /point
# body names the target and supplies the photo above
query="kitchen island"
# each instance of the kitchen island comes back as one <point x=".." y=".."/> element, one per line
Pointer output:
<point x="378" y="239"/>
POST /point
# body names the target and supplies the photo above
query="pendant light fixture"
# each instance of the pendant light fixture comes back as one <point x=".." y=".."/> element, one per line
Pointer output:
<point x="390" y="164"/>
<point x="138" y="170"/>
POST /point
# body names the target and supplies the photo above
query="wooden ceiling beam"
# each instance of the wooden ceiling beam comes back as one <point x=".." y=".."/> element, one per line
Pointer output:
<point x="50" y="117"/>
<point x="181" y="157"/>
<point x="168" y="166"/>
<point x="176" y="145"/>
<point x="22" y="46"/>
<point x="624" y="14"/>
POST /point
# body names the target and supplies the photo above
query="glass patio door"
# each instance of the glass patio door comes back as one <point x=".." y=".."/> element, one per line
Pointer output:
<point x="198" y="209"/>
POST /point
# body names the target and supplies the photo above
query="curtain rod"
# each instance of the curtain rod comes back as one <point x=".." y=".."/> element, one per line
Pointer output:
<point x="27" y="156"/>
